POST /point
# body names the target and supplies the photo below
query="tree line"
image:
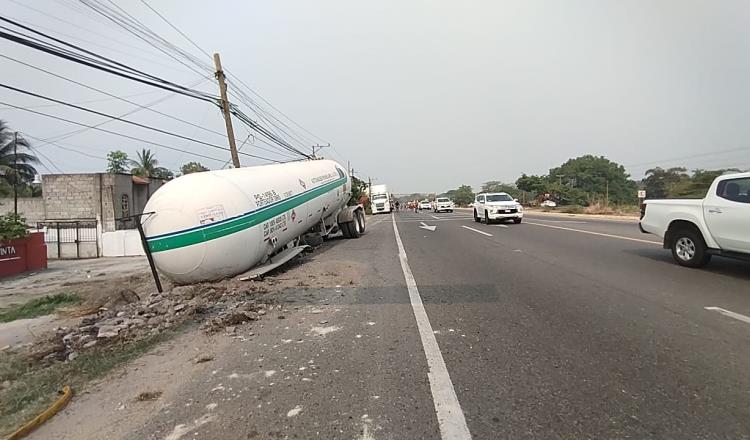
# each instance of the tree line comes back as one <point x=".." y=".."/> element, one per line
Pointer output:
<point x="595" y="180"/>
<point x="146" y="165"/>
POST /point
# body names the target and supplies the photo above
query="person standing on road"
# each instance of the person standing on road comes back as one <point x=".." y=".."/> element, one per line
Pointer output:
<point x="398" y="205"/>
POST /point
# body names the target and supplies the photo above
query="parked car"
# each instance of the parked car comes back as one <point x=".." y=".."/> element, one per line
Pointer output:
<point x="443" y="204"/>
<point x="497" y="206"/>
<point x="696" y="229"/>
<point x="425" y="204"/>
<point x="548" y="204"/>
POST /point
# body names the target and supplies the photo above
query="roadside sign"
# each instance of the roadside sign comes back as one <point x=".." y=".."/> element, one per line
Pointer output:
<point x="641" y="194"/>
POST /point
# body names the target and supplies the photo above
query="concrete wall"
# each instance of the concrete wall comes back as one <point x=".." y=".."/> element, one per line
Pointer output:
<point x="30" y="207"/>
<point x="124" y="243"/>
<point x="71" y="196"/>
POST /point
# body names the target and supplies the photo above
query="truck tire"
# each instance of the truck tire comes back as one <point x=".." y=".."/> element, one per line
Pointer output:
<point x="517" y="220"/>
<point x="689" y="249"/>
<point x="350" y="229"/>
<point x="361" y="221"/>
<point x="487" y="218"/>
<point x="345" y="230"/>
<point x="476" y="217"/>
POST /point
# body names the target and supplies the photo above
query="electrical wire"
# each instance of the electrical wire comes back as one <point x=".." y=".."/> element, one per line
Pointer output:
<point x="249" y="100"/>
<point x="127" y="121"/>
<point x="117" y="97"/>
<point x="134" y="26"/>
<point x="141" y="77"/>
<point x="687" y="157"/>
<point x="133" y="137"/>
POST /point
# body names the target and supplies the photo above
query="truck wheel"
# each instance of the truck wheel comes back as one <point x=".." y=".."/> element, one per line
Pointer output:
<point x="476" y="217"/>
<point x="689" y="249"/>
<point x="345" y="230"/>
<point x="486" y="217"/>
<point x="517" y="220"/>
<point x="361" y="221"/>
<point x="353" y="227"/>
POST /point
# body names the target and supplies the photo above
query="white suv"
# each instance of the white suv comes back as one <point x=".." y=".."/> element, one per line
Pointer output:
<point x="425" y="204"/>
<point x="497" y="206"/>
<point x="442" y="204"/>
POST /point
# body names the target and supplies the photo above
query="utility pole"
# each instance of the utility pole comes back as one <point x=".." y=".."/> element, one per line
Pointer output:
<point x="225" y="109"/>
<point x="369" y="188"/>
<point x="606" y="197"/>
<point x="15" y="173"/>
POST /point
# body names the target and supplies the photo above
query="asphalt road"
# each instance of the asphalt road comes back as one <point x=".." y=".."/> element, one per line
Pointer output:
<point x="554" y="328"/>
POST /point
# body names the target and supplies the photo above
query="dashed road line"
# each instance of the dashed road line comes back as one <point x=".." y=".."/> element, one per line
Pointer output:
<point x="558" y="221"/>
<point x="435" y="217"/>
<point x="502" y="226"/>
<point x="451" y="419"/>
<point x="476" y="230"/>
<point x="730" y="313"/>
<point x="596" y="233"/>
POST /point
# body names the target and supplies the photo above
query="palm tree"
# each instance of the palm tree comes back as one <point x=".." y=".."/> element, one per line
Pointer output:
<point x="16" y="166"/>
<point x="145" y="165"/>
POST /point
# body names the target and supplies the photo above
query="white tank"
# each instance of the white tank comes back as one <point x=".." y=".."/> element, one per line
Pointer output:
<point x="216" y="224"/>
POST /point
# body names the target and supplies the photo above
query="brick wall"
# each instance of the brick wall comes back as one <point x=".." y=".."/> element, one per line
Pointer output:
<point x="30" y="207"/>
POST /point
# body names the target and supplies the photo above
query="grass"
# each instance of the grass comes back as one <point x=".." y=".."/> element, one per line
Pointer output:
<point x="33" y="387"/>
<point x="39" y="306"/>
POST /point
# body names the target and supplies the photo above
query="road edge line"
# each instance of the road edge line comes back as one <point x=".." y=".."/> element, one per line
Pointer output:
<point x="731" y="314"/>
<point x="601" y="234"/>
<point x="450" y="416"/>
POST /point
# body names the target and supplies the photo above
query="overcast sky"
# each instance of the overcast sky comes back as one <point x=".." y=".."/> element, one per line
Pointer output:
<point x="421" y="95"/>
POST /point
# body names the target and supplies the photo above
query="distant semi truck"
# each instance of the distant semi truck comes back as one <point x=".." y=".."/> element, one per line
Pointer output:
<point x="380" y="199"/>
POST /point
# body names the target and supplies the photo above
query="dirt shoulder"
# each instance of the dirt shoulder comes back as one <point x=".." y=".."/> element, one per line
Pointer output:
<point x="99" y="346"/>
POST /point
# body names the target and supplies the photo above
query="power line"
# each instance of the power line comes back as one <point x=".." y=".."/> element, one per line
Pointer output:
<point x="248" y="100"/>
<point x="117" y="97"/>
<point x="687" y="157"/>
<point x="78" y="38"/>
<point x="121" y="20"/>
<point x="175" y="28"/>
<point x="127" y="121"/>
<point x="137" y="28"/>
<point x="255" y="126"/>
<point x="133" y="137"/>
<point x="105" y="66"/>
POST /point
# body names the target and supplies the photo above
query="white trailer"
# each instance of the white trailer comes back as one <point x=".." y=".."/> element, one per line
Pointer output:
<point x="217" y="224"/>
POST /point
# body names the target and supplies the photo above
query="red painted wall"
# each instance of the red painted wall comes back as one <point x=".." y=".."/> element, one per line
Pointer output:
<point x="26" y="254"/>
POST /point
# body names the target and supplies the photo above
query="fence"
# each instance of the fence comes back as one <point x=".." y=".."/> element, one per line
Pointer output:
<point x="70" y="239"/>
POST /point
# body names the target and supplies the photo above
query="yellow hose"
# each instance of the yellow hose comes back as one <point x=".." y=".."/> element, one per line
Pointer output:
<point x="26" y="429"/>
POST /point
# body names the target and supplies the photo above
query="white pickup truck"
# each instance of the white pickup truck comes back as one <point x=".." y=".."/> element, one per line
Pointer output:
<point x="696" y="229"/>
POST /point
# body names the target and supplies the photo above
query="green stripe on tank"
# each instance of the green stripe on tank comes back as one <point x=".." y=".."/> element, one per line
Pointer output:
<point x="212" y="231"/>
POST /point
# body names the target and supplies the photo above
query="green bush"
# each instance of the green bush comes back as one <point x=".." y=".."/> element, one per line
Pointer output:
<point x="12" y="227"/>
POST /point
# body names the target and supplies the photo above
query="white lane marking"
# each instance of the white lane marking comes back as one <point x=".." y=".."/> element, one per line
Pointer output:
<point x="417" y="220"/>
<point x="596" y="233"/>
<point x="558" y="221"/>
<point x="435" y="217"/>
<point x="450" y="417"/>
<point x="423" y="225"/>
<point x="731" y="314"/>
<point x="476" y="230"/>
<point x="502" y="226"/>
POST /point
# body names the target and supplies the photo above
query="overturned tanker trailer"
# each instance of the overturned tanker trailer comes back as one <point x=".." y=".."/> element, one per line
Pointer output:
<point x="217" y="224"/>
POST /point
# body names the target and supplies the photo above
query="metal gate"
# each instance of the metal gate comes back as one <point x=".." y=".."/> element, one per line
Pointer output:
<point x="70" y="239"/>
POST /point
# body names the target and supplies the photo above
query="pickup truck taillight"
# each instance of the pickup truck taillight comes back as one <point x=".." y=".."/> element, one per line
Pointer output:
<point x="643" y="210"/>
